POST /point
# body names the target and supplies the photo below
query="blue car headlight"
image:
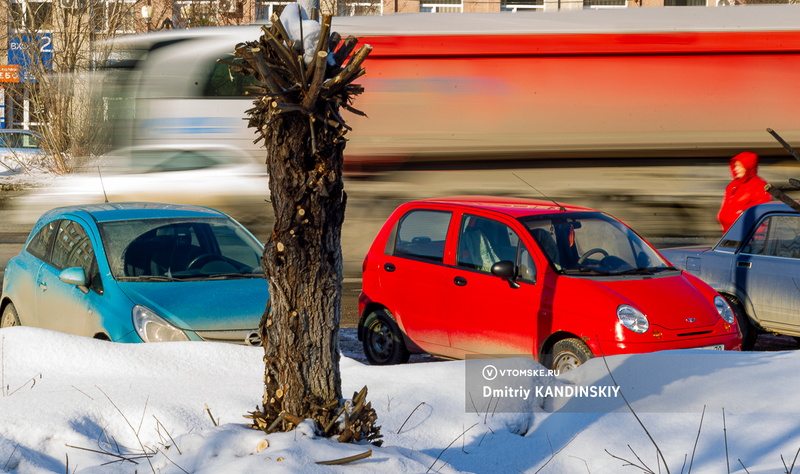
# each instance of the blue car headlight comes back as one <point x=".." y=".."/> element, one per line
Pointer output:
<point x="724" y="309"/>
<point x="633" y="319"/>
<point x="153" y="328"/>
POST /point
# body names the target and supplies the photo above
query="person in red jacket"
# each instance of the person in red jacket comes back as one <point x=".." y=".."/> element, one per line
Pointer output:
<point x="746" y="189"/>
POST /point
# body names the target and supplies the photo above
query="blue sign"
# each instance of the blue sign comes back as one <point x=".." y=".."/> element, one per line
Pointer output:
<point x="31" y="55"/>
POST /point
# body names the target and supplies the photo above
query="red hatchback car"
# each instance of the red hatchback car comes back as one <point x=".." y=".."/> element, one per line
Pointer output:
<point x="509" y="277"/>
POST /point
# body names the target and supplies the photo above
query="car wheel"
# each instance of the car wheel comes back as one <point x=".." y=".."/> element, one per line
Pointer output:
<point x="10" y="317"/>
<point x="749" y="332"/>
<point x="569" y="354"/>
<point x="383" y="341"/>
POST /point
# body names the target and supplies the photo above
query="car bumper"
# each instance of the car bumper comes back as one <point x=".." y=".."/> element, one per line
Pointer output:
<point x="728" y="342"/>
<point x="363" y="301"/>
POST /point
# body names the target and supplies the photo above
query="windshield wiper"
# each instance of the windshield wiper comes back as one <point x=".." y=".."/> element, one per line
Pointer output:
<point x="644" y="270"/>
<point x="217" y="276"/>
<point x="234" y="276"/>
<point x="145" y="278"/>
<point x="585" y="271"/>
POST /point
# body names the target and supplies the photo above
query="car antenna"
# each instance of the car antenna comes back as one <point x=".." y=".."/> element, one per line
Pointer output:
<point x="102" y="185"/>
<point x="562" y="208"/>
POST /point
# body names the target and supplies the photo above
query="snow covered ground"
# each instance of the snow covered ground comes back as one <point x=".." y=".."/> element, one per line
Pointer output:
<point x="71" y="404"/>
<point x="23" y="169"/>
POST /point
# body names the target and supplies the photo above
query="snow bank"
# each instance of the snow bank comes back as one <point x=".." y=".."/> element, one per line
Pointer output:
<point x="71" y="403"/>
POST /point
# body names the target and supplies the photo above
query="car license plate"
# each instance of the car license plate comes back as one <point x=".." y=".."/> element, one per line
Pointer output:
<point x="715" y="347"/>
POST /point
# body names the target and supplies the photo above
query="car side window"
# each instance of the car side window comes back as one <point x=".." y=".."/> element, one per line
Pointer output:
<point x="484" y="242"/>
<point x="40" y="242"/>
<point x="73" y="248"/>
<point x="526" y="269"/>
<point x="776" y="236"/>
<point x="422" y="234"/>
<point x="757" y="243"/>
<point x="185" y="161"/>
<point x="29" y="141"/>
<point x="223" y="82"/>
<point x="9" y="140"/>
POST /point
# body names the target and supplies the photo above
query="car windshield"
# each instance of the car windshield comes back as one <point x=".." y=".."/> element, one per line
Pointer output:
<point x="592" y="243"/>
<point x="180" y="249"/>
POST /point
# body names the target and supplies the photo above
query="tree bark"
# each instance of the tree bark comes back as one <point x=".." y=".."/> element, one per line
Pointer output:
<point x="303" y="265"/>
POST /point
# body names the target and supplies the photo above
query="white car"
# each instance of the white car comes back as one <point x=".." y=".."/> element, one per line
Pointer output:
<point x="218" y="176"/>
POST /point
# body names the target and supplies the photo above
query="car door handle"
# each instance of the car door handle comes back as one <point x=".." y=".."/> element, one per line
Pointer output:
<point x="744" y="264"/>
<point x="460" y="281"/>
<point x="43" y="286"/>
<point x="389" y="267"/>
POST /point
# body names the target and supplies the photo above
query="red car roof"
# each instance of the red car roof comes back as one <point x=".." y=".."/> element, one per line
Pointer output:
<point x="513" y="206"/>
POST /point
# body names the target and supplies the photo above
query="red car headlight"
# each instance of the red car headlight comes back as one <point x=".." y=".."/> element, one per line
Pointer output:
<point x="633" y="319"/>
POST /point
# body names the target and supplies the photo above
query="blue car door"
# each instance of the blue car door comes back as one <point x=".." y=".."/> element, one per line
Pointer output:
<point x="64" y="306"/>
<point x="23" y="272"/>
<point x="768" y="270"/>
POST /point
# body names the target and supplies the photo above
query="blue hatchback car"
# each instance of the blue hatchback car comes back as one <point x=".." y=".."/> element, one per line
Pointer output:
<point x="138" y="272"/>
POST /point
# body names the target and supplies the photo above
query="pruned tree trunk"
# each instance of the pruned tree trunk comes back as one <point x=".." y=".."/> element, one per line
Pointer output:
<point x="297" y="115"/>
<point x="303" y="264"/>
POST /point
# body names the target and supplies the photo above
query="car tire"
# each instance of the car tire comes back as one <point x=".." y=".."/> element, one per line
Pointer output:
<point x="10" y="317"/>
<point x="382" y="340"/>
<point x="749" y="332"/>
<point x="569" y="354"/>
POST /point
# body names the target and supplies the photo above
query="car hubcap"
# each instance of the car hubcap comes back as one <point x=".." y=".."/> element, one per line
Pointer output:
<point x="381" y="341"/>
<point x="7" y="321"/>
<point x="566" y="362"/>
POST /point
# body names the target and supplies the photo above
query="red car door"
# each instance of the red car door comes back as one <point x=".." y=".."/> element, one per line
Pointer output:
<point x="486" y="313"/>
<point x="411" y="276"/>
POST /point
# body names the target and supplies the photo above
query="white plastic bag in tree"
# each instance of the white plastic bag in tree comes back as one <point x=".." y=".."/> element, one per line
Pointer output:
<point x="293" y="18"/>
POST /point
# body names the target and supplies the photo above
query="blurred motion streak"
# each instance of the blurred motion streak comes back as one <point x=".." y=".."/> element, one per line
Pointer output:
<point x="633" y="82"/>
<point x="219" y="176"/>
<point x="634" y="112"/>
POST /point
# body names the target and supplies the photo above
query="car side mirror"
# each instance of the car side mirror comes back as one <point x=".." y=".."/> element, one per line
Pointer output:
<point x="508" y="270"/>
<point x="74" y="276"/>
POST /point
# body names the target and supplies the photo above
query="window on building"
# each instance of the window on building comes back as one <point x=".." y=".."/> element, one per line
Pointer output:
<point x="684" y="3"/>
<point x="358" y="8"/>
<point x="113" y="16"/>
<point x="521" y="5"/>
<point x="441" y="6"/>
<point x="600" y="4"/>
<point x="34" y="15"/>
<point x="264" y="10"/>
<point x="196" y="13"/>
<point x="22" y="110"/>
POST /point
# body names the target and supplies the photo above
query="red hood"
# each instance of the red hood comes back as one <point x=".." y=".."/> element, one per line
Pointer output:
<point x="668" y="302"/>
<point x="749" y="160"/>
